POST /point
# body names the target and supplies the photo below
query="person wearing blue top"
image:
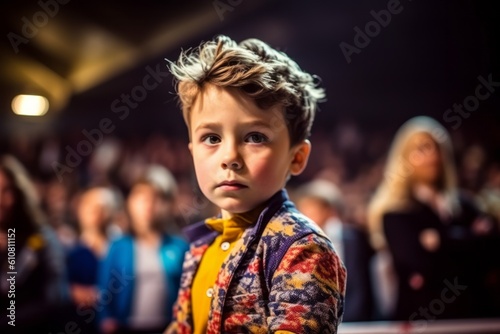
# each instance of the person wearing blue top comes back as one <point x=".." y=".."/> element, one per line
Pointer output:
<point x="97" y="207"/>
<point x="139" y="278"/>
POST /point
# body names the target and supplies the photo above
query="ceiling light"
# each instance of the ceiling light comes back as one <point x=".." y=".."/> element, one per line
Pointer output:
<point x="30" y="105"/>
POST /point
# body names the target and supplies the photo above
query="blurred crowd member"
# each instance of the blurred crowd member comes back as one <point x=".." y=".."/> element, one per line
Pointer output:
<point x="322" y="201"/>
<point x="148" y="261"/>
<point x="39" y="289"/>
<point x="104" y="161"/>
<point x="489" y="199"/>
<point x="191" y="205"/>
<point x="471" y="169"/>
<point x="95" y="213"/>
<point x="489" y="196"/>
<point x="433" y="233"/>
<point x="56" y="205"/>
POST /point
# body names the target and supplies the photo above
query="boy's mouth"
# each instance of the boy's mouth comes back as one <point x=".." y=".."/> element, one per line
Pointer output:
<point x="231" y="185"/>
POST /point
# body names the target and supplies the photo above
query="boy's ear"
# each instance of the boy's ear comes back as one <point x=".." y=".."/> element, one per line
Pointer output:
<point x="300" y="157"/>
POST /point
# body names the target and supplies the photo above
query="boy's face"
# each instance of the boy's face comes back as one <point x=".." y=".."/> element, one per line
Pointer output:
<point x="242" y="154"/>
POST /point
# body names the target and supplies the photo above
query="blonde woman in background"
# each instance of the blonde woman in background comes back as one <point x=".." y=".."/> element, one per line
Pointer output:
<point x="430" y="233"/>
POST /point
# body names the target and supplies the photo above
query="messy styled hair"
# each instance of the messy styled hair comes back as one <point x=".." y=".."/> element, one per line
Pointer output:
<point x="266" y="75"/>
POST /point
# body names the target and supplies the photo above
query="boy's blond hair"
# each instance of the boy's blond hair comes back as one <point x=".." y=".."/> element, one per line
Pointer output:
<point x="268" y="76"/>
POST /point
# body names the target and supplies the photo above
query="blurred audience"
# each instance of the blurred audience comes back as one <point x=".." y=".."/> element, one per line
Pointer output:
<point x="36" y="292"/>
<point x="148" y="261"/>
<point x="56" y="206"/>
<point x="95" y="212"/>
<point x="322" y="201"/>
<point x="472" y="169"/>
<point x="489" y="195"/>
<point x="436" y="236"/>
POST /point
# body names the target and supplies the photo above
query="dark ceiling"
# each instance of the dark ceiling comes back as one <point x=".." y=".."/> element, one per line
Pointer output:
<point x="88" y="56"/>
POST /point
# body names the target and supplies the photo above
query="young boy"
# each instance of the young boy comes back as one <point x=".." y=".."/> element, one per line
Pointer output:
<point x="261" y="267"/>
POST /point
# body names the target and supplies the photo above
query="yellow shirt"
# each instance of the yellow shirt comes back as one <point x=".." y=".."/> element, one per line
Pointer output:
<point x="203" y="283"/>
<point x="202" y="290"/>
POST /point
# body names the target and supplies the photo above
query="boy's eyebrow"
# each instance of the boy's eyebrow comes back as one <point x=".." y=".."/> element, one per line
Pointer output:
<point x="208" y="125"/>
<point x="257" y="122"/>
<point x="217" y="125"/>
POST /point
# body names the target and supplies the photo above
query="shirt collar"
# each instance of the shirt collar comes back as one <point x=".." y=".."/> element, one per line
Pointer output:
<point x="200" y="232"/>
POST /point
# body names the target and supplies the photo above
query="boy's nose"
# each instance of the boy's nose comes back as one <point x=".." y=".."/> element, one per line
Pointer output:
<point x="232" y="159"/>
<point x="233" y="164"/>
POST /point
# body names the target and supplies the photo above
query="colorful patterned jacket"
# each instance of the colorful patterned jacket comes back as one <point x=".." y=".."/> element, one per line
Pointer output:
<point x="283" y="274"/>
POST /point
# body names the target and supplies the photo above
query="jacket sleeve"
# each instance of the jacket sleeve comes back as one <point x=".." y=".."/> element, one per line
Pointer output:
<point x="308" y="288"/>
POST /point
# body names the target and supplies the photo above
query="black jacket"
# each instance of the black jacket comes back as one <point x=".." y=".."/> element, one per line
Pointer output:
<point x="454" y="275"/>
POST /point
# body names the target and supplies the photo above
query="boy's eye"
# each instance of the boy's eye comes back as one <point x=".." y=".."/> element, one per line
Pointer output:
<point x="257" y="138"/>
<point x="210" y="140"/>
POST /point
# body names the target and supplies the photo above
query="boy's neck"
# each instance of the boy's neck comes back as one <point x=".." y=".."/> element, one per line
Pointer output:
<point x="249" y="216"/>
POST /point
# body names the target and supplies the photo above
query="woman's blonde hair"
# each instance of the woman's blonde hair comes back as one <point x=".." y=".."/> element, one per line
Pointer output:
<point x="395" y="189"/>
<point x="266" y="75"/>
